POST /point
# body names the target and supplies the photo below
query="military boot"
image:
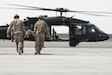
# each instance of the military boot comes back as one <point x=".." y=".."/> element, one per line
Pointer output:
<point x="19" y="53"/>
<point x="35" y="53"/>
<point x="22" y="51"/>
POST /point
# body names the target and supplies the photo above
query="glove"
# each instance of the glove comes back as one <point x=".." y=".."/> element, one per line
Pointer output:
<point x="8" y="36"/>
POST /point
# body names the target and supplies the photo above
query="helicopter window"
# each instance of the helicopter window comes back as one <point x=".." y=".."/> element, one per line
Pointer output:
<point x="84" y="30"/>
<point x="78" y="30"/>
<point x="79" y="27"/>
<point x="98" y="29"/>
<point x="93" y="29"/>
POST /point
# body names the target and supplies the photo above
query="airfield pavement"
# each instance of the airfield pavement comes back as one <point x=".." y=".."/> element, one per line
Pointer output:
<point x="57" y="58"/>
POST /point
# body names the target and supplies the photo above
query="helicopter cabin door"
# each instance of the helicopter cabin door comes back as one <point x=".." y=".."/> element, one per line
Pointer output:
<point x="77" y="33"/>
<point x="80" y="32"/>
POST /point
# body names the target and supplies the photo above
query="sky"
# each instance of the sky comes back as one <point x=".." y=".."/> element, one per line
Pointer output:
<point x="104" y="23"/>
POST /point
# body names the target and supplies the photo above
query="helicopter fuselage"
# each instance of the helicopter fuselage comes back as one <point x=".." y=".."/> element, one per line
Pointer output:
<point x="79" y="30"/>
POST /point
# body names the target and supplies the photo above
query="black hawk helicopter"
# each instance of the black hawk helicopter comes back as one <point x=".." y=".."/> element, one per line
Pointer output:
<point x="79" y="30"/>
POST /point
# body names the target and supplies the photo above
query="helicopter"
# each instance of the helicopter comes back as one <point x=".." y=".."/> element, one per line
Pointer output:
<point x="79" y="30"/>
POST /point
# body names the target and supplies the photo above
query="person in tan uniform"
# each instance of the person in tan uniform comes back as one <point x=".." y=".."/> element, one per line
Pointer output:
<point x="40" y="29"/>
<point x="16" y="30"/>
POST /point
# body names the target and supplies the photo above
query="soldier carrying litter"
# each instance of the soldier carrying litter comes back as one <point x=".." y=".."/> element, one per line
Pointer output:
<point x="40" y="29"/>
<point x="16" y="31"/>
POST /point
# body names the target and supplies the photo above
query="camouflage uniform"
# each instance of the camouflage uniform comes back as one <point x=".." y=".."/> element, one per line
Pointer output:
<point x="40" y="29"/>
<point x="17" y="30"/>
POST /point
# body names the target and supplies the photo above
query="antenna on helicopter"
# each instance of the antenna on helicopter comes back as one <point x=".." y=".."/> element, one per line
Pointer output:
<point x="72" y="16"/>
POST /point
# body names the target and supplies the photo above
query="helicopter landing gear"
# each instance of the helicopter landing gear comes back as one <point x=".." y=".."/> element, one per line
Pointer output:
<point x="73" y="43"/>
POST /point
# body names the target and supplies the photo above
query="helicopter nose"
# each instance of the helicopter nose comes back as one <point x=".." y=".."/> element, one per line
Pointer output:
<point x="103" y="37"/>
<point x="106" y="37"/>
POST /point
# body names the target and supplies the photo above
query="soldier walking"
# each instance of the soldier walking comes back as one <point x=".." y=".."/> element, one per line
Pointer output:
<point x="40" y="29"/>
<point x="16" y="30"/>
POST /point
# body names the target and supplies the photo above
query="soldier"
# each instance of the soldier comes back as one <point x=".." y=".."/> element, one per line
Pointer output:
<point x="40" y="29"/>
<point x="16" y="31"/>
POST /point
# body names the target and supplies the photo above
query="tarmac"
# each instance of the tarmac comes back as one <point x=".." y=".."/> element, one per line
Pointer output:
<point x="57" y="58"/>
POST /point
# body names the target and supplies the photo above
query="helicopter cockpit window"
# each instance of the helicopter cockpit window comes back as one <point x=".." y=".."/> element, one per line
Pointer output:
<point x="98" y="29"/>
<point x="78" y="30"/>
<point x="92" y="29"/>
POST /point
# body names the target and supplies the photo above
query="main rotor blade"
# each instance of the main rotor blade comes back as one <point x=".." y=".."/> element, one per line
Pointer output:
<point x="15" y="8"/>
<point x="57" y="9"/>
<point x="31" y="7"/>
<point x="90" y="12"/>
<point x="95" y="14"/>
<point x="61" y="10"/>
<point x="19" y="8"/>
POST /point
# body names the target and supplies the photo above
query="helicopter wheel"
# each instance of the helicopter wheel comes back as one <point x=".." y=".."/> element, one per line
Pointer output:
<point x="73" y="43"/>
